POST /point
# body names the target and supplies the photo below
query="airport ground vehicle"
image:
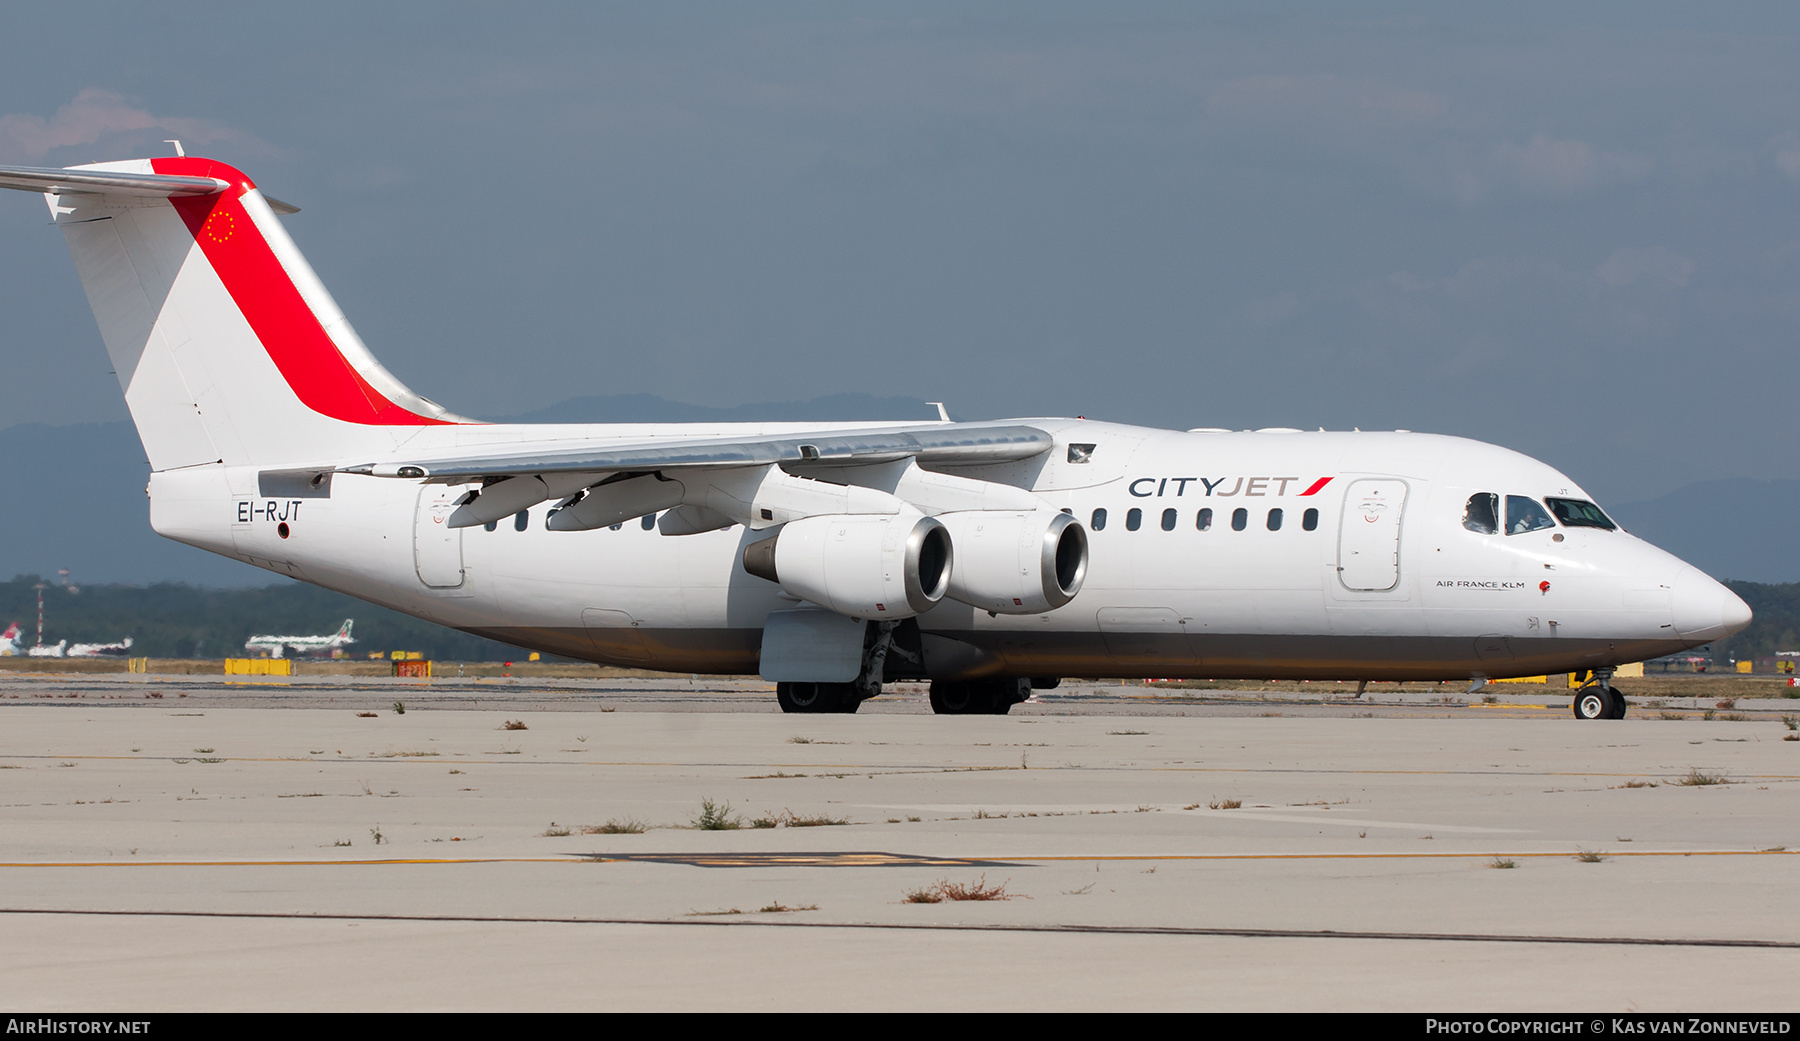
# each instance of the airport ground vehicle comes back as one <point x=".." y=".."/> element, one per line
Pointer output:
<point x="987" y="557"/>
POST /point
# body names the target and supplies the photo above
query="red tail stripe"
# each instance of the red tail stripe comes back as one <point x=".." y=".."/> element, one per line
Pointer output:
<point x="299" y="346"/>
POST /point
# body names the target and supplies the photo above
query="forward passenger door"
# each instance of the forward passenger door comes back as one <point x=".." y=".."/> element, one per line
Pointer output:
<point x="1369" y="535"/>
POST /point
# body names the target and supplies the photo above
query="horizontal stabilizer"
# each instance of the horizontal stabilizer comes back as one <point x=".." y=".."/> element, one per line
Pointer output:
<point x="106" y="182"/>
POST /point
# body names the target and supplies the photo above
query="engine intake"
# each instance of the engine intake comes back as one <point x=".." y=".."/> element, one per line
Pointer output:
<point x="1016" y="563"/>
<point x="864" y="565"/>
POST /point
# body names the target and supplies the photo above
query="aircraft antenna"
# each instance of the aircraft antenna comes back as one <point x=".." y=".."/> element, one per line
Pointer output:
<point x="178" y="149"/>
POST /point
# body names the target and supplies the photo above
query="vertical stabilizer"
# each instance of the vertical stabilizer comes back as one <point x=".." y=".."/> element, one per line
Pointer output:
<point x="228" y="347"/>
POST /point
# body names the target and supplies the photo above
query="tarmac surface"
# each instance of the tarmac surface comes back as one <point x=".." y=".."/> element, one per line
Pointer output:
<point x="187" y="843"/>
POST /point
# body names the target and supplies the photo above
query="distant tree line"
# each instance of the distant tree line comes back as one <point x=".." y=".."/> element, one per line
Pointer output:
<point x="175" y="620"/>
<point x="1776" y="626"/>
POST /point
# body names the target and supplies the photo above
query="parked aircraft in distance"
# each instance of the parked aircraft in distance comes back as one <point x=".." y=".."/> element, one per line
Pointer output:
<point x="279" y="646"/>
<point x="65" y="649"/>
<point x="99" y="650"/>
<point x="987" y="557"/>
<point x="9" y="641"/>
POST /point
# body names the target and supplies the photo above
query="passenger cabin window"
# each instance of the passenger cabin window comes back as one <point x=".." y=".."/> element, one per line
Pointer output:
<point x="1203" y="520"/>
<point x="649" y="522"/>
<point x="1098" y="521"/>
<point x="1523" y="515"/>
<point x="1168" y="520"/>
<point x="1310" y="520"/>
<point x="1134" y="519"/>
<point x="521" y="520"/>
<point x="1482" y="514"/>
<point x="1240" y="519"/>
<point x="1275" y="519"/>
<point x="1579" y="513"/>
<point x="491" y="525"/>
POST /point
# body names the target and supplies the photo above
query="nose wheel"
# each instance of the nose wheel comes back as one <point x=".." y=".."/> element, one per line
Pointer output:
<point x="1599" y="699"/>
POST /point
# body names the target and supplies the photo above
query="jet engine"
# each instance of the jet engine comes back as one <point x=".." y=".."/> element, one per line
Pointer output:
<point x="1016" y="563"/>
<point x="862" y="565"/>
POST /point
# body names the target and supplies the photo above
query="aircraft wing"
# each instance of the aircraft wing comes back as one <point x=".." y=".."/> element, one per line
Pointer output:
<point x="967" y="443"/>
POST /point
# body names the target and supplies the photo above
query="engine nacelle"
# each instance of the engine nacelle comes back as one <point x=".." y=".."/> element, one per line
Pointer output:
<point x="1016" y="563"/>
<point x="864" y="565"/>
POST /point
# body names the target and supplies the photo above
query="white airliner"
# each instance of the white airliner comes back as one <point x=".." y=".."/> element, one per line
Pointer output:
<point x="986" y="557"/>
<point x="9" y="641"/>
<point x="277" y="646"/>
<point x="65" y="649"/>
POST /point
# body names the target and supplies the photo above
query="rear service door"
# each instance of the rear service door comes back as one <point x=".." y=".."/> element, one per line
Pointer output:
<point x="1369" y="534"/>
<point x="437" y="547"/>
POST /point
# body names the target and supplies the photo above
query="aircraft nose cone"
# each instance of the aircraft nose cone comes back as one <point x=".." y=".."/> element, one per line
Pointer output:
<point x="1706" y="610"/>
<point x="1737" y="613"/>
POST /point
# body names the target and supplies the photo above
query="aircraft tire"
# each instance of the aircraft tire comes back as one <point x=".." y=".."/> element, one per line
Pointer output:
<point x="978" y="697"/>
<point x="1005" y="693"/>
<point x="810" y="697"/>
<point x="954" y="698"/>
<point x="1615" y="708"/>
<point x="1591" y="702"/>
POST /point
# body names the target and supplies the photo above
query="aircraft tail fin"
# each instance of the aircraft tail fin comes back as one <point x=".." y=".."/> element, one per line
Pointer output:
<point x="344" y="633"/>
<point x="228" y="347"/>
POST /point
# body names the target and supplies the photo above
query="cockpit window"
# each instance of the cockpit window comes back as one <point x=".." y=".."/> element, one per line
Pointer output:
<point x="1579" y="513"/>
<point x="1523" y="515"/>
<point x="1482" y="515"/>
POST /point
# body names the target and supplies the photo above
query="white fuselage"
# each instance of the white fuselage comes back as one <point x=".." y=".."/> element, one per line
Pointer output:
<point x="1384" y="582"/>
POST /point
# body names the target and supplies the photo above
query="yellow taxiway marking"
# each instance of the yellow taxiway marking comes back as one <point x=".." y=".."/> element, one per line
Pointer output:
<point x="1606" y="854"/>
<point x="1736" y="778"/>
<point x="290" y="863"/>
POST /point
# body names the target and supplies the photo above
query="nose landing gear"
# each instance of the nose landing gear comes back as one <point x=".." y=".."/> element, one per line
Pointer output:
<point x="1598" y="698"/>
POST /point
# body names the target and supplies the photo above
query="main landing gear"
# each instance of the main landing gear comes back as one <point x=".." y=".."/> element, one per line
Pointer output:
<point x="1599" y="699"/>
<point x="846" y="697"/>
<point x="818" y="697"/>
<point x="989" y="697"/>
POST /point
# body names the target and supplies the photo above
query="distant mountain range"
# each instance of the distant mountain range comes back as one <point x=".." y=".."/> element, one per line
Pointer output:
<point x="1729" y="528"/>
<point x="74" y="498"/>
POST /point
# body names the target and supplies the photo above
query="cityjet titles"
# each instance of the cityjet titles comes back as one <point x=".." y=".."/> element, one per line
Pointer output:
<point x="1177" y="487"/>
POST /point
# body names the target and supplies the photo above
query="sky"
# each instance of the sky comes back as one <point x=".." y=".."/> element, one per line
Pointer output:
<point x="1576" y="234"/>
